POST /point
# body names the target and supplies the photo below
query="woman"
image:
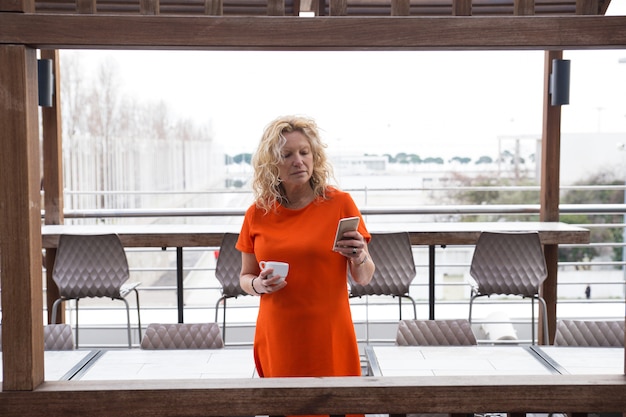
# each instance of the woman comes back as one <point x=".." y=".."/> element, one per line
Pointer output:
<point x="304" y="325"/>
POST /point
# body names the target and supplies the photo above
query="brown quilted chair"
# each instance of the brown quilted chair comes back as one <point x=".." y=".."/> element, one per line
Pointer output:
<point x="510" y="263"/>
<point x="55" y="336"/>
<point x="227" y="270"/>
<point x="93" y="266"/>
<point x="58" y="337"/>
<point x="590" y="333"/>
<point x="392" y="254"/>
<point x="435" y="333"/>
<point x="182" y="336"/>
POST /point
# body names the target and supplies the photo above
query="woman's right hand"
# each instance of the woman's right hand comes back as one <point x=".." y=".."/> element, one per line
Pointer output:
<point x="266" y="283"/>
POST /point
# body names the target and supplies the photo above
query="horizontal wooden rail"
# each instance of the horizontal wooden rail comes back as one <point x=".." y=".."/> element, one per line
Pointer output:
<point x="320" y="33"/>
<point x="340" y="395"/>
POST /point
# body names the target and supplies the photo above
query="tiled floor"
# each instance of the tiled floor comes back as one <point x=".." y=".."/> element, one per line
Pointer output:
<point x="171" y="364"/>
<point x="61" y="364"/>
<point x="456" y="360"/>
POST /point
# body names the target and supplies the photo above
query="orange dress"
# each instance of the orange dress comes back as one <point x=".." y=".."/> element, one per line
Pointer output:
<point x="306" y="328"/>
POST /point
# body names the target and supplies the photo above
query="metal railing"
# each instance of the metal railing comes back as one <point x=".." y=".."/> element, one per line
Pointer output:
<point x="375" y="317"/>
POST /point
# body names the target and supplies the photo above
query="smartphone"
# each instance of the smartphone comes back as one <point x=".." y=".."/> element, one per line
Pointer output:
<point x="345" y="225"/>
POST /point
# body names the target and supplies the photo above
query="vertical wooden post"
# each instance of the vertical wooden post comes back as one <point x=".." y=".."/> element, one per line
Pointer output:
<point x="213" y="7"/>
<point x="275" y="7"/>
<point x="53" y="174"/>
<point x="524" y="7"/>
<point x="20" y="221"/>
<point x="400" y="7"/>
<point x="149" y="7"/>
<point x="461" y="7"/>
<point x="338" y="7"/>
<point x="549" y="212"/>
<point x="86" y="6"/>
<point x="24" y="6"/>
<point x="588" y="7"/>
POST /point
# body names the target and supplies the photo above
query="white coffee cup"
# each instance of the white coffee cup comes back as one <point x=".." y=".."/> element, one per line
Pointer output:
<point x="280" y="268"/>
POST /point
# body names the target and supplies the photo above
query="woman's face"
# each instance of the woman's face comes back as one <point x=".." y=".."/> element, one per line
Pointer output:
<point x="296" y="167"/>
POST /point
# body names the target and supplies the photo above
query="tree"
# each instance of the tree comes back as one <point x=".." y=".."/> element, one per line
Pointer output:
<point x="431" y="160"/>
<point x="587" y="196"/>
<point x="461" y="160"/>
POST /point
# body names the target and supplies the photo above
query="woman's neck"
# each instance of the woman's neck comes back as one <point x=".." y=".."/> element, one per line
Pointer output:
<point x="298" y="198"/>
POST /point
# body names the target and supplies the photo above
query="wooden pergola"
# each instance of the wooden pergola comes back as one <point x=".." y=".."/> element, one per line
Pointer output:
<point x="29" y="26"/>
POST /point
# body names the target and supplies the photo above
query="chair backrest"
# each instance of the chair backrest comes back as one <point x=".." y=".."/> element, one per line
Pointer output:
<point x="58" y="337"/>
<point x="590" y="333"/>
<point x="182" y="336"/>
<point x="55" y="336"/>
<point x="392" y="254"/>
<point x="509" y="263"/>
<point x="228" y="266"/>
<point x="456" y="332"/>
<point x="90" y="266"/>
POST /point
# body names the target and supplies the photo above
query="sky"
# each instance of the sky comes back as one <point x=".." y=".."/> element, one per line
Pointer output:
<point x="429" y="103"/>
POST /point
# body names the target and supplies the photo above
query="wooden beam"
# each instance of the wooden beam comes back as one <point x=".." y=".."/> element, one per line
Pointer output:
<point x="319" y="33"/>
<point x="52" y="137"/>
<point x="20" y="220"/>
<point x="53" y="178"/>
<point x="320" y="396"/>
<point x="549" y="194"/>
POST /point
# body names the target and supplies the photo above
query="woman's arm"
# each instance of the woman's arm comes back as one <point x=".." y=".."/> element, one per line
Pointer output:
<point x="354" y="247"/>
<point x="362" y="268"/>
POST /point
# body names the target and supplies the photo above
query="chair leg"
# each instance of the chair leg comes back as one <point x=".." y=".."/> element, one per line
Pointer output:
<point x="532" y="322"/>
<point x="138" y="313"/>
<point x="224" y="323"/>
<point x="130" y="344"/>
<point x="55" y="308"/>
<point x="471" y="302"/>
<point x="77" y="323"/>
<point x="546" y="334"/>
<point x="414" y="307"/>
<point x="217" y="309"/>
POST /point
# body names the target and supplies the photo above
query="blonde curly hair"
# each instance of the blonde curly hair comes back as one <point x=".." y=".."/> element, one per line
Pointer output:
<point x="266" y="183"/>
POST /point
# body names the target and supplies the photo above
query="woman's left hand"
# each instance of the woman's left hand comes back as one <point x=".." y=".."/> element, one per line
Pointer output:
<point x="352" y="245"/>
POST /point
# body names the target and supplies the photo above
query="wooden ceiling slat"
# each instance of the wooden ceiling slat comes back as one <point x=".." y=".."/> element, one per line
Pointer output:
<point x="351" y="8"/>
